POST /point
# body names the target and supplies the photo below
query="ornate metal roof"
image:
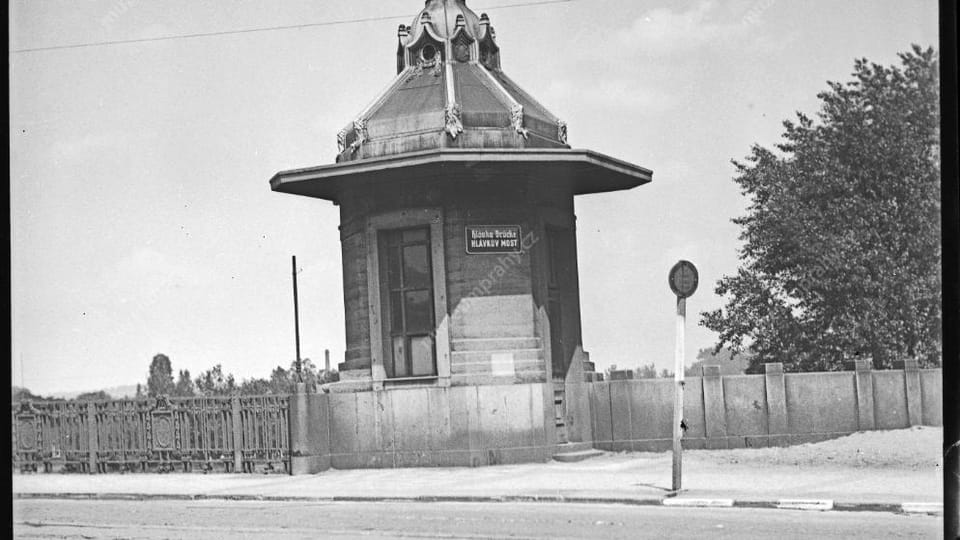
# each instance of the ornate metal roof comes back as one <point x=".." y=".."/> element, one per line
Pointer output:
<point x="452" y="113"/>
<point x="449" y="92"/>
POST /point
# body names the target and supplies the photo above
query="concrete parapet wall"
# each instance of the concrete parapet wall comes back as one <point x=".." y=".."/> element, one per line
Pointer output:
<point x="426" y="426"/>
<point x="441" y="426"/>
<point x="821" y="403"/>
<point x="773" y="409"/>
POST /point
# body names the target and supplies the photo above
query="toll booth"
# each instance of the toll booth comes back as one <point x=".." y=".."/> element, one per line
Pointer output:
<point x="461" y="288"/>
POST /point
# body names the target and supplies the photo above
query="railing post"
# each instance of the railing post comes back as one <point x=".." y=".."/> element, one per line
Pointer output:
<point x="911" y="377"/>
<point x="309" y="448"/>
<point x="776" y="398"/>
<point x="237" y="434"/>
<point x="863" y="377"/>
<point x="714" y="412"/>
<point x="92" y="439"/>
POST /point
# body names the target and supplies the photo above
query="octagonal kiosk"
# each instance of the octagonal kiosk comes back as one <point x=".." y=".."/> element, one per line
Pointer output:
<point x="461" y="297"/>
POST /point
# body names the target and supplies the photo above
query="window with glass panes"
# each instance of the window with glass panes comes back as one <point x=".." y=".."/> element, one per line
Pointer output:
<point x="408" y="297"/>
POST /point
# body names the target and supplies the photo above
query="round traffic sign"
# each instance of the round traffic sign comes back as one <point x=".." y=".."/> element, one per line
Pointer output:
<point x="684" y="279"/>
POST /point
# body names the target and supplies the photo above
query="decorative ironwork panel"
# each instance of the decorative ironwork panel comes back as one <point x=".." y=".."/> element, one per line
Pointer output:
<point x="265" y="428"/>
<point x="202" y="434"/>
<point x="122" y="435"/>
<point x="28" y="438"/>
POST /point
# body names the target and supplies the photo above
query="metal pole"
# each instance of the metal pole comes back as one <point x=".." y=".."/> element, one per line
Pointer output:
<point x="296" y="320"/>
<point x="678" y="393"/>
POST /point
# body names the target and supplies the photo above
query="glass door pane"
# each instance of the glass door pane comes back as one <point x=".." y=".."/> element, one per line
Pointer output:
<point x="399" y="357"/>
<point x="421" y="355"/>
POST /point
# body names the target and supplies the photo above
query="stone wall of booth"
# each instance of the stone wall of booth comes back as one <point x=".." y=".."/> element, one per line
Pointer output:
<point x="771" y="409"/>
<point x="495" y="314"/>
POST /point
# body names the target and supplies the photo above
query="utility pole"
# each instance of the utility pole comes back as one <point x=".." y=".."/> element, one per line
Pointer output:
<point x="296" y="321"/>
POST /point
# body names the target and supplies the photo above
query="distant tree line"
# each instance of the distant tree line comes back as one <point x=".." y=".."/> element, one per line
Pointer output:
<point x="18" y="394"/>
<point x="212" y="382"/>
<point x="730" y="363"/>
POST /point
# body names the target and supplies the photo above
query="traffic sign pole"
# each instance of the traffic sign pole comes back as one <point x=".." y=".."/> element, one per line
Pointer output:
<point x="684" y="279"/>
<point x="678" y="393"/>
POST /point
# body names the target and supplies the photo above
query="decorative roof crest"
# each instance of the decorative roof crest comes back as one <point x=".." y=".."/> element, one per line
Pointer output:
<point x="454" y="124"/>
<point x="360" y="130"/>
<point x="516" y="120"/>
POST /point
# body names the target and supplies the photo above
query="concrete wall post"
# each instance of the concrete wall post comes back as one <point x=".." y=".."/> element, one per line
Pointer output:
<point x="863" y="378"/>
<point x="93" y="441"/>
<point x="309" y="441"/>
<point x="911" y="377"/>
<point x="577" y="400"/>
<point x="236" y="420"/>
<point x="714" y="408"/>
<point x="776" y="398"/>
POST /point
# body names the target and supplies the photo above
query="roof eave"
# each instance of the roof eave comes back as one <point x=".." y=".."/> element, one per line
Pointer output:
<point x="590" y="172"/>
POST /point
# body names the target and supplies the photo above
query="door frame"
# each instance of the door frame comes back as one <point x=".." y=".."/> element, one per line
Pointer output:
<point x="402" y="219"/>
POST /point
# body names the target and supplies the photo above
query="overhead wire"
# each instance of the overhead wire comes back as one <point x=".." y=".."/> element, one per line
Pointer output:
<point x="260" y="29"/>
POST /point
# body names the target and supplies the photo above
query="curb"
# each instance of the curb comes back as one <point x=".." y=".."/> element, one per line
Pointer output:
<point x="922" y="508"/>
<point x="929" y="508"/>
<point x="805" y="504"/>
<point x="698" y="503"/>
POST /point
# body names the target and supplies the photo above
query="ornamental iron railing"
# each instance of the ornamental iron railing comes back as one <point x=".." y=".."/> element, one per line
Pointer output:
<point x="202" y="434"/>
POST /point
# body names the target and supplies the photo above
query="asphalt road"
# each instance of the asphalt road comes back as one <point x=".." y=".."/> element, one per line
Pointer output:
<point x="77" y="519"/>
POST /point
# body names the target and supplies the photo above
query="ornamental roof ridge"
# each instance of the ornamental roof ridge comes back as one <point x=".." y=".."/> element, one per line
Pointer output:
<point x="447" y="18"/>
<point x="449" y="92"/>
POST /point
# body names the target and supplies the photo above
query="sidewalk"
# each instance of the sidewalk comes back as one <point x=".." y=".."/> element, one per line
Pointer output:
<point x="749" y="477"/>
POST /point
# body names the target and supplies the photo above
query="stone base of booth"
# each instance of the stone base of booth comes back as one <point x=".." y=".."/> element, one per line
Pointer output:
<point x="443" y="458"/>
<point x="465" y="426"/>
<point x="353" y="380"/>
<point x="300" y="465"/>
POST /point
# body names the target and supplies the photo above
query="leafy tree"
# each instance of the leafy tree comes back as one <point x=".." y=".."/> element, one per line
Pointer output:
<point x="648" y="371"/>
<point x="328" y="376"/>
<point x="281" y="381"/>
<point x="18" y="394"/>
<point x="160" y="380"/>
<point x="213" y="382"/>
<point x="184" y="386"/>
<point x="841" y="250"/>
<point x="255" y="387"/>
<point x="730" y="363"/>
<point x="139" y="394"/>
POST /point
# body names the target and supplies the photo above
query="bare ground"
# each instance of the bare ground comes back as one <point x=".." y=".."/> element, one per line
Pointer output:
<point x="917" y="448"/>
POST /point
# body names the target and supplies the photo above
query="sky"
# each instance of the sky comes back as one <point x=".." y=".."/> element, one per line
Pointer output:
<point x="141" y="216"/>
